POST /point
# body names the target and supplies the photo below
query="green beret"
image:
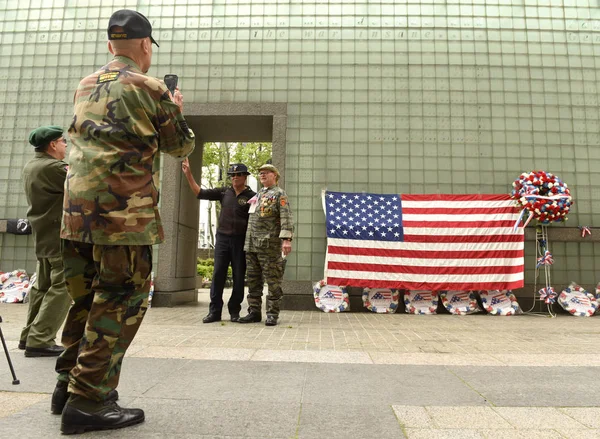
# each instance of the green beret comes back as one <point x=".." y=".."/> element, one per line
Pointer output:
<point x="43" y="135"/>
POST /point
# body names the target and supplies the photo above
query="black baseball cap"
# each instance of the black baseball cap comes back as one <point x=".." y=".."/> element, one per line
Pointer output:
<point x="134" y="24"/>
<point x="238" y="168"/>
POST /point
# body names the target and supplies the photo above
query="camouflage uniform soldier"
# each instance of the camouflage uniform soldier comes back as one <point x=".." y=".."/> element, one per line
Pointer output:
<point x="44" y="180"/>
<point x="123" y="119"/>
<point x="269" y="236"/>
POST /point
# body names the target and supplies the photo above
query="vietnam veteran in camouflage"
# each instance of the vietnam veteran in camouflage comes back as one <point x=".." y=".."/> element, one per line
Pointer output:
<point x="270" y="222"/>
<point x="123" y="118"/>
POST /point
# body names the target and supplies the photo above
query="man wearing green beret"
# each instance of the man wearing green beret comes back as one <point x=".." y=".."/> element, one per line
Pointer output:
<point x="44" y="179"/>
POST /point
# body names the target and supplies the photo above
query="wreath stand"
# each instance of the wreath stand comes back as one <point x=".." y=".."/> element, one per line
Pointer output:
<point x="542" y="264"/>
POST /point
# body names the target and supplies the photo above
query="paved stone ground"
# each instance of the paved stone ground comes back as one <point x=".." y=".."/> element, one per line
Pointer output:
<point x="320" y="375"/>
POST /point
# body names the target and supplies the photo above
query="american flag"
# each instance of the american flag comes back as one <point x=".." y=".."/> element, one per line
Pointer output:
<point x="333" y="293"/>
<point x="423" y="242"/>
<point x="460" y="296"/>
<point x="382" y="295"/>
<point x="498" y="298"/>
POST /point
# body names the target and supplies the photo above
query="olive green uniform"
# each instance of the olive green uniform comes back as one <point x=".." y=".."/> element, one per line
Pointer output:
<point x="43" y="180"/>
<point x="270" y="222"/>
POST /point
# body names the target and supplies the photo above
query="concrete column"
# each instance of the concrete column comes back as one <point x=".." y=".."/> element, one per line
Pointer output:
<point x="175" y="281"/>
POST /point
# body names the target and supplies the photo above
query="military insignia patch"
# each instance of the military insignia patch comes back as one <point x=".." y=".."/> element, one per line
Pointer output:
<point x="108" y="77"/>
<point x="283" y="201"/>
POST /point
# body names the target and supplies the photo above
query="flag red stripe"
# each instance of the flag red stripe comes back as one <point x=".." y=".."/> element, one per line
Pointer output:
<point x="466" y="238"/>
<point x="412" y="269"/>
<point x="458" y="224"/>
<point x="424" y="254"/>
<point x="426" y="286"/>
<point x="451" y="197"/>
<point x="457" y="211"/>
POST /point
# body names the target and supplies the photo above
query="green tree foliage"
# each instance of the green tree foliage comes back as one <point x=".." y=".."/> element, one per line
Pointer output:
<point x="253" y="155"/>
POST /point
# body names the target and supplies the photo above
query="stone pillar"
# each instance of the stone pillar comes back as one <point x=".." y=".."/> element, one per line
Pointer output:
<point x="175" y="279"/>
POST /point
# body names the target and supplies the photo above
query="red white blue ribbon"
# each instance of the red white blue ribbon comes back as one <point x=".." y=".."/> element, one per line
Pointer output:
<point x="547" y="259"/>
<point x="548" y="295"/>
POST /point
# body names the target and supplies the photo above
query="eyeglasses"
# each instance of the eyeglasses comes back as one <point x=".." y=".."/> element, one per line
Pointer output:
<point x="264" y="173"/>
<point x="237" y="174"/>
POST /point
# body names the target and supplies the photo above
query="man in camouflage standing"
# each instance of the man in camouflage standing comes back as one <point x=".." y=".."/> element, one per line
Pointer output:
<point x="123" y="119"/>
<point x="44" y="181"/>
<point x="268" y="241"/>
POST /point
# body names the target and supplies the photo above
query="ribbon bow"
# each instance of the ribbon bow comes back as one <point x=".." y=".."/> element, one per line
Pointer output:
<point x="548" y="294"/>
<point x="545" y="260"/>
<point x="585" y="230"/>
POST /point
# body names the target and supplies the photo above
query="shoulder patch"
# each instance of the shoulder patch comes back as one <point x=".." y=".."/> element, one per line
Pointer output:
<point x="108" y="77"/>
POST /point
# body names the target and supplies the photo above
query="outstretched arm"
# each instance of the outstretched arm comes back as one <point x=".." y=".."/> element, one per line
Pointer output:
<point x="185" y="167"/>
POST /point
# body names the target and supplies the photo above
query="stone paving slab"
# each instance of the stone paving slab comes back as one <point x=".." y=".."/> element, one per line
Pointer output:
<point x="342" y="421"/>
<point x="525" y="386"/>
<point x="398" y="375"/>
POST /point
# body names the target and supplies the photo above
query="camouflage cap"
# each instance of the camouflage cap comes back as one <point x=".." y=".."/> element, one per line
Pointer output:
<point x="269" y="167"/>
<point x="134" y="25"/>
<point x="43" y="135"/>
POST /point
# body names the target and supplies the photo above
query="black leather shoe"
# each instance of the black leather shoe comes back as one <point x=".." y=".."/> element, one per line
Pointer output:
<point x="235" y="318"/>
<point x="61" y="395"/>
<point x="52" y="351"/>
<point x="211" y="317"/>
<point x="250" y="318"/>
<point x="22" y="345"/>
<point x="271" y="321"/>
<point x="81" y="415"/>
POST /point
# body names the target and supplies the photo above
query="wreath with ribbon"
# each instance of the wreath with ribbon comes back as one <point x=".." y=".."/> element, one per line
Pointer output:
<point x="392" y="308"/>
<point x="543" y="195"/>
<point x="504" y="311"/>
<point x="411" y="309"/>
<point x="569" y="302"/>
<point x="471" y="307"/>
<point x="344" y="304"/>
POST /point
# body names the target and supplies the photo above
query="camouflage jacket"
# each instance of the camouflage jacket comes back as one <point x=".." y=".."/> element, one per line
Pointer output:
<point x="44" y="180"/>
<point x="122" y="120"/>
<point x="271" y="221"/>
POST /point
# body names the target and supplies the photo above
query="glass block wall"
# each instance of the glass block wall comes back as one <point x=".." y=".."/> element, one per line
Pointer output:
<point x="383" y="96"/>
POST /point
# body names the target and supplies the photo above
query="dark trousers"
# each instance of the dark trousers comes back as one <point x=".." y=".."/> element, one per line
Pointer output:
<point x="228" y="250"/>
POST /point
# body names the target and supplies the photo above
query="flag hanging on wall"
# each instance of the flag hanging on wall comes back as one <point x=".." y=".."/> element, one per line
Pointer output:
<point x="423" y="242"/>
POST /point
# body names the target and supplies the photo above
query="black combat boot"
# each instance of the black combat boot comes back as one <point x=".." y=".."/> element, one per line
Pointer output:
<point x="252" y="317"/>
<point x="61" y="394"/>
<point x="211" y="317"/>
<point x="271" y="320"/>
<point x="81" y="415"/>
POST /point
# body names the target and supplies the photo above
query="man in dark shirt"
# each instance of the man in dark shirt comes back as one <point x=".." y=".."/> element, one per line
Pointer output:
<point x="231" y="234"/>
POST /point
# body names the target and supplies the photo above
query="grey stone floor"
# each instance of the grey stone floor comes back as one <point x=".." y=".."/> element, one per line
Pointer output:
<point x="345" y="375"/>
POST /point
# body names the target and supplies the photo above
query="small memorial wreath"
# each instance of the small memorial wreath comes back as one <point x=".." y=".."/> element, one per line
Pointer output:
<point x="459" y="302"/>
<point x="499" y="302"/>
<point x="421" y="302"/>
<point x="331" y="298"/>
<point x="577" y="301"/>
<point x="381" y="300"/>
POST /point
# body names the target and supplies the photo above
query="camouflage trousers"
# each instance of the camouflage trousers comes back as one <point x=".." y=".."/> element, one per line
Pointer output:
<point x="260" y="267"/>
<point x="109" y="285"/>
